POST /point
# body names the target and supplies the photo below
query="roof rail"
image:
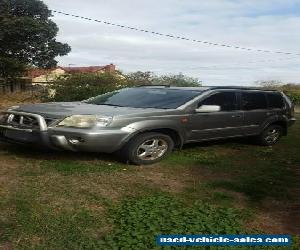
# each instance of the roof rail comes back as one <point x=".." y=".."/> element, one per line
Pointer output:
<point x="210" y="87"/>
<point x="240" y="87"/>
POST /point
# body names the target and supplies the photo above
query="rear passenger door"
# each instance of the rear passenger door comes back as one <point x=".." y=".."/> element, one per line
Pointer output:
<point x="255" y="107"/>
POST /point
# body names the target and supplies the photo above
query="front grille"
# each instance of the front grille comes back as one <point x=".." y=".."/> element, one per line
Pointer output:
<point x="20" y="120"/>
<point x="50" y="121"/>
<point x="23" y="121"/>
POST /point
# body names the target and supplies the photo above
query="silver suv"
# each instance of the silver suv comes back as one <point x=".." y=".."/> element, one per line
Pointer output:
<point x="146" y="123"/>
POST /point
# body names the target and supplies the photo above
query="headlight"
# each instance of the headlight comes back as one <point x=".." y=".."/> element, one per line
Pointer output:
<point x="13" y="108"/>
<point x="85" y="121"/>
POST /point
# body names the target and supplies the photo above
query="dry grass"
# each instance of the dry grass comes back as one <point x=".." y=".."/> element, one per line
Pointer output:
<point x="17" y="98"/>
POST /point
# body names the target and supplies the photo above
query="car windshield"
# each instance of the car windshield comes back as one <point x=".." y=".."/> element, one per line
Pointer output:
<point x="161" y="98"/>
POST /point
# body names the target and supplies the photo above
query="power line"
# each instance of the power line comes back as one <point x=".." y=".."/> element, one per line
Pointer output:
<point x="177" y="37"/>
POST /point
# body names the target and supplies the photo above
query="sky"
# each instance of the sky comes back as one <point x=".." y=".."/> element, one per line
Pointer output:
<point x="258" y="24"/>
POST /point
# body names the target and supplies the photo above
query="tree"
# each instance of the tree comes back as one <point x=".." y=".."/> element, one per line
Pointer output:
<point x="140" y="78"/>
<point x="149" y="78"/>
<point x="27" y="37"/>
<point x="271" y="84"/>
<point x="178" y="80"/>
<point x="83" y="86"/>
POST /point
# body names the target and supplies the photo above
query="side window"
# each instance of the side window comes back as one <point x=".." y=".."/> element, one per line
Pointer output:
<point x="253" y="100"/>
<point x="275" y="100"/>
<point x="226" y="100"/>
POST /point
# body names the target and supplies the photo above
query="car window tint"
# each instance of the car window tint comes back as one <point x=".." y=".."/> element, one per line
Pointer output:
<point x="275" y="100"/>
<point x="226" y="100"/>
<point x="254" y="100"/>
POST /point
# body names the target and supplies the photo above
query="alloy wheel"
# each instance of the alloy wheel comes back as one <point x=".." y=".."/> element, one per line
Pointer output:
<point x="272" y="135"/>
<point x="152" y="149"/>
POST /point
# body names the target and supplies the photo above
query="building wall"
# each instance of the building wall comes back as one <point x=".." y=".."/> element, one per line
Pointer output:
<point x="50" y="77"/>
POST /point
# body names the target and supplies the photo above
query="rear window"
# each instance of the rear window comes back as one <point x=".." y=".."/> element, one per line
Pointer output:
<point x="254" y="100"/>
<point x="275" y="100"/>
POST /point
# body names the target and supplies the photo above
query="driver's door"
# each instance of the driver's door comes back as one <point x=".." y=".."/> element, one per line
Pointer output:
<point x="220" y="124"/>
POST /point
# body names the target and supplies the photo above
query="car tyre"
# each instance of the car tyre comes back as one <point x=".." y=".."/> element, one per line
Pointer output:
<point x="270" y="135"/>
<point x="147" y="148"/>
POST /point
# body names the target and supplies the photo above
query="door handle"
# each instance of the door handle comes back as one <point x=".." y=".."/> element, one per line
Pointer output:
<point x="270" y="113"/>
<point x="236" y="116"/>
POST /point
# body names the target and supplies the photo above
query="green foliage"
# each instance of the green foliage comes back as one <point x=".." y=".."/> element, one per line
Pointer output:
<point x="11" y="67"/>
<point x="27" y="36"/>
<point x="149" y="78"/>
<point x="294" y="96"/>
<point x="140" y="78"/>
<point x="138" y="222"/>
<point x="179" y="80"/>
<point x="79" y="87"/>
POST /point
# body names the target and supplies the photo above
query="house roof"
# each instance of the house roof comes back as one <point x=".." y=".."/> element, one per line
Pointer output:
<point x="90" y="69"/>
<point x="33" y="73"/>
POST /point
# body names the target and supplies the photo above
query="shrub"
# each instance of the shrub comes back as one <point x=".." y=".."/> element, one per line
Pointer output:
<point x="178" y="80"/>
<point x="149" y="78"/>
<point x="79" y="87"/>
<point x="294" y="96"/>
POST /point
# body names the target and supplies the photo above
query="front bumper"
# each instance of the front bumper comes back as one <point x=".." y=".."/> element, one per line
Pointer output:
<point x="105" y="140"/>
<point x="100" y="140"/>
<point x="64" y="139"/>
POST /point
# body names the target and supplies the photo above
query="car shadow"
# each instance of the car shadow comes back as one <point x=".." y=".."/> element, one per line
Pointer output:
<point x="37" y="153"/>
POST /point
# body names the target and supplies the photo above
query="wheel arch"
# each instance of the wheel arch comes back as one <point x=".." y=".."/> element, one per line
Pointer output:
<point x="281" y="123"/>
<point x="174" y="134"/>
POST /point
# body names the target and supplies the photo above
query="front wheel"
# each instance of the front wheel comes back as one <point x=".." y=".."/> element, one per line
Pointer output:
<point x="270" y="135"/>
<point x="147" y="148"/>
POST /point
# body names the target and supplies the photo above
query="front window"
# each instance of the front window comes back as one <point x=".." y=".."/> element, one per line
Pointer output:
<point x="226" y="100"/>
<point x="162" y="98"/>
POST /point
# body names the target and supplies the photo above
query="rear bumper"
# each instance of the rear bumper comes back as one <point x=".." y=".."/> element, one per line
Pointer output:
<point x="68" y="139"/>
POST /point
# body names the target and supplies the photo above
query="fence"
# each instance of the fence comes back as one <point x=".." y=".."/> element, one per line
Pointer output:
<point x="8" y="86"/>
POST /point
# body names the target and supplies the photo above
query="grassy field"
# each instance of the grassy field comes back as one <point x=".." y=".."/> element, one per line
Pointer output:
<point x="64" y="200"/>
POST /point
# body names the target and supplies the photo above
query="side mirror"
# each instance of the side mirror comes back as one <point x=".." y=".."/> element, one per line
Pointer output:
<point x="208" y="108"/>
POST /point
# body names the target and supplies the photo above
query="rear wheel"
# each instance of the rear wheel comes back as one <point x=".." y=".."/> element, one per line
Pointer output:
<point x="147" y="148"/>
<point x="270" y="135"/>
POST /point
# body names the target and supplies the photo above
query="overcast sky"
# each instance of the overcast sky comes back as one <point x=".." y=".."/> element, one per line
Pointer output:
<point x="261" y="24"/>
